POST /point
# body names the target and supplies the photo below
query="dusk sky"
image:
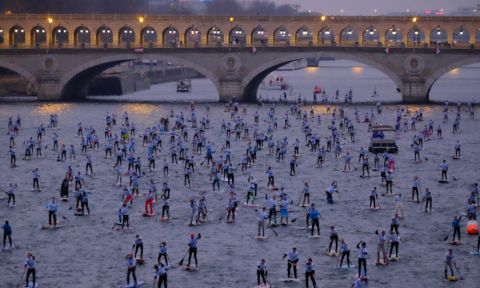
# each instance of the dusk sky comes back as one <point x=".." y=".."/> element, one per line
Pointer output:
<point x="363" y="7"/>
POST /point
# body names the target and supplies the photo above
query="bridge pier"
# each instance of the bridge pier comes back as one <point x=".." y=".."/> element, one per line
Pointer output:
<point x="415" y="91"/>
<point x="229" y="89"/>
<point x="48" y="88"/>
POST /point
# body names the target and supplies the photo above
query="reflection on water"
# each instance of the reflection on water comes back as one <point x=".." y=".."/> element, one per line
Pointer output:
<point x="320" y="109"/>
<point x="311" y="69"/>
<point x="357" y="70"/>
<point x="427" y="110"/>
<point x="139" y="109"/>
<point x="53" y="108"/>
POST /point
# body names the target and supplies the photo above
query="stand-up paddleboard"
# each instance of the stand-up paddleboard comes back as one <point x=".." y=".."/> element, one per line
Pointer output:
<point x="51" y="227"/>
<point x="132" y="285"/>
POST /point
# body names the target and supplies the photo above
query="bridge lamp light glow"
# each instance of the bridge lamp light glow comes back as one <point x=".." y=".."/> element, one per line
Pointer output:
<point x="414" y="19"/>
<point x="416" y="32"/>
<point x="323" y="18"/>
<point x="327" y="32"/>
<point x="231" y="19"/>
<point x="141" y="19"/>
<point x="50" y="20"/>
<point x="1" y="30"/>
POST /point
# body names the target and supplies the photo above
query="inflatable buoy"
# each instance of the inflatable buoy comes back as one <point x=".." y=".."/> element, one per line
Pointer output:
<point x="472" y="227"/>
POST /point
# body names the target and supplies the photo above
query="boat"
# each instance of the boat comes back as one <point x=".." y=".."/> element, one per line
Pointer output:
<point x="184" y="85"/>
<point x="275" y="82"/>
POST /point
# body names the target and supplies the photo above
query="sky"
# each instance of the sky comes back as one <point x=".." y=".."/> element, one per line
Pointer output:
<point x="366" y="7"/>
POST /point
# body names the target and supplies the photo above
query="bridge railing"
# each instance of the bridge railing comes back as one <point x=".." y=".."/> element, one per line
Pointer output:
<point x="152" y="45"/>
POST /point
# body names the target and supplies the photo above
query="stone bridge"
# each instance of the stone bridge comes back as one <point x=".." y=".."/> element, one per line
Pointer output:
<point x="65" y="74"/>
<point x="86" y="30"/>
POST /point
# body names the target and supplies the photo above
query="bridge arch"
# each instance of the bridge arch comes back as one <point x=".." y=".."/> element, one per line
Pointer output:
<point x="393" y="36"/>
<point x="170" y="37"/>
<point x="29" y="77"/>
<point x="104" y="36"/>
<point x="259" y="36"/>
<point x="74" y="84"/>
<point x="237" y="36"/>
<point x="17" y="35"/>
<point x="215" y="36"/>
<point x="438" y="36"/>
<point x="326" y="36"/>
<point x="303" y="36"/>
<point x="460" y="36"/>
<point x="193" y="37"/>
<point x="254" y="78"/>
<point x="38" y="36"/>
<point x="82" y="36"/>
<point x="148" y="36"/>
<point x="371" y="37"/>
<point x="281" y="36"/>
<point x="60" y="36"/>
<point x="126" y="36"/>
<point x="416" y="36"/>
<point x="348" y="36"/>
<point x="438" y="73"/>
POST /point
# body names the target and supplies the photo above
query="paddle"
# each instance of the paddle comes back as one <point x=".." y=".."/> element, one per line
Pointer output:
<point x="458" y="271"/>
<point x="448" y="235"/>
<point x="273" y="230"/>
<point x="223" y="214"/>
<point x="183" y="258"/>
<point x="295" y="219"/>
<point x="63" y="216"/>
<point x="21" y="278"/>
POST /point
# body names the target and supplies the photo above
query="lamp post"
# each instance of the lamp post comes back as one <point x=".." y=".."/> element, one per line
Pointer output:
<point x="231" y="19"/>
<point x="141" y="19"/>
<point x="50" y="21"/>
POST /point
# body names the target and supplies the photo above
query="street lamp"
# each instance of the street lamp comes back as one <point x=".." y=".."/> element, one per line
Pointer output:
<point x="141" y="19"/>
<point x="50" y="21"/>
<point x="230" y="40"/>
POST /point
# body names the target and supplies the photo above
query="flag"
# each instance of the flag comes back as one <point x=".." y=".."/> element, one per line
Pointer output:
<point x="437" y="50"/>
<point x="254" y="50"/>
<point x="388" y="50"/>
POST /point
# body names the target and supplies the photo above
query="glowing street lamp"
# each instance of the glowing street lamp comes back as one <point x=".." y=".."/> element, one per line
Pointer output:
<point x="50" y="21"/>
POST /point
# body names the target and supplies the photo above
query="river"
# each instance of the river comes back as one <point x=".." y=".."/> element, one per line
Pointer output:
<point x="461" y="84"/>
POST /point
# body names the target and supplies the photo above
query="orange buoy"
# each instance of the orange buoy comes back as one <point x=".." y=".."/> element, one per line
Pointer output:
<point x="472" y="228"/>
